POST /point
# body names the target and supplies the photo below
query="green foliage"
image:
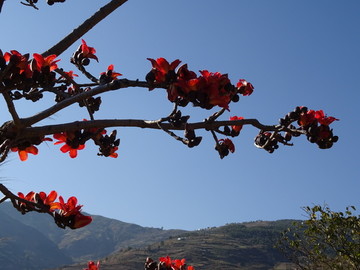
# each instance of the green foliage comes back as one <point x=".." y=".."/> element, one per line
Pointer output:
<point x="327" y="240"/>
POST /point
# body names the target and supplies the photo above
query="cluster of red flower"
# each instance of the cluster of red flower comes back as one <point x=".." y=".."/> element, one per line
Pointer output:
<point x="20" y="72"/>
<point x="314" y="124"/>
<point x="166" y="263"/>
<point x="184" y="86"/>
<point x="66" y="214"/>
<point x="74" y="141"/>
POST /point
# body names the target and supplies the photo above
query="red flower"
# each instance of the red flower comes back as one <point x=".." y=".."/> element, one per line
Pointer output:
<point x="228" y="143"/>
<point x="238" y="127"/>
<point x="20" y="61"/>
<point x="323" y="119"/>
<point x="185" y="83"/>
<point x="214" y="86"/>
<point x="178" y="264"/>
<point x="161" y="69"/>
<point x="166" y="261"/>
<point x="110" y="73"/>
<point x="23" y="152"/>
<point x="112" y="152"/>
<point x="40" y="62"/>
<point x="80" y="221"/>
<point x="29" y="197"/>
<point x="71" y="209"/>
<point x="244" y="88"/>
<point x="93" y="266"/>
<point x="70" y="74"/>
<point x="307" y="118"/>
<point x="69" y="146"/>
<point x="174" y="264"/>
<point x="88" y="52"/>
<point x="48" y="199"/>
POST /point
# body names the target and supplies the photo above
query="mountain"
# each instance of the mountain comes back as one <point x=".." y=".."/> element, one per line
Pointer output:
<point x="23" y="247"/>
<point x="34" y="242"/>
<point x="245" y="246"/>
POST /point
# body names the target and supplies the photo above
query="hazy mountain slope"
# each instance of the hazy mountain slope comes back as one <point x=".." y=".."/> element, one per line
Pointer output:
<point x="22" y="247"/>
<point x="247" y="246"/>
<point x="102" y="237"/>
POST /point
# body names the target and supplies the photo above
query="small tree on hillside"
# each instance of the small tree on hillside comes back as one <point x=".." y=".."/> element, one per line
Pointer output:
<point x="327" y="240"/>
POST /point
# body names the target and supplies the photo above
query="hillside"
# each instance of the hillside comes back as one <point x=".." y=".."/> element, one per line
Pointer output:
<point x="23" y="247"/>
<point x="34" y="242"/>
<point x="246" y="246"/>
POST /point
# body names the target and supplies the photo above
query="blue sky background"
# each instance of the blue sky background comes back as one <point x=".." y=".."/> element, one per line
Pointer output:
<point x="294" y="53"/>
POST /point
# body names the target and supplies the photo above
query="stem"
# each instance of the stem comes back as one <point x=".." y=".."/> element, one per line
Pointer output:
<point x="11" y="108"/>
<point x="172" y="134"/>
<point x="81" y="30"/>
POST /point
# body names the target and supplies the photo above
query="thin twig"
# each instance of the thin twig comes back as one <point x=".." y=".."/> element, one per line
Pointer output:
<point x="11" y="108"/>
<point x="30" y="4"/>
<point x="172" y="134"/>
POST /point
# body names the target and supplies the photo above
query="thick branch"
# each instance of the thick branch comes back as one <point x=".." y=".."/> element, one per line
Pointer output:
<point x="87" y="25"/>
<point x="51" y="129"/>
<point x="117" y="84"/>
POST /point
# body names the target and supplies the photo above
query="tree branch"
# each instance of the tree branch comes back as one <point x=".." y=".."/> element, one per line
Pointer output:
<point x="115" y="85"/>
<point x="151" y="124"/>
<point x="81" y="30"/>
<point x="11" y="108"/>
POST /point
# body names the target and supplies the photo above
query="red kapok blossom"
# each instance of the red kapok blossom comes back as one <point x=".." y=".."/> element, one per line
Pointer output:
<point x="307" y="118"/>
<point x="20" y="61"/>
<point x="88" y="52"/>
<point x="112" y="152"/>
<point x="29" y="197"/>
<point x="23" y="152"/>
<point x="93" y="266"/>
<point x="228" y="143"/>
<point x="48" y="199"/>
<point x="67" y="208"/>
<point x="80" y="221"/>
<point x="161" y="69"/>
<point x="178" y="264"/>
<point x="42" y="62"/>
<point x="70" y="74"/>
<point x="323" y="119"/>
<point x="174" y="264"/>
<point x="166" y="261"/>
<point x="65" y="138"/>
<point x="110" y="73"/>
<point x="244" y="88"/>
<point x="214" y="85"/>
<point x="236" y="128"/>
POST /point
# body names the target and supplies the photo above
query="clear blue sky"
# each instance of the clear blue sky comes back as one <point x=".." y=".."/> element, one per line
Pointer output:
<point x="294" y="53"/>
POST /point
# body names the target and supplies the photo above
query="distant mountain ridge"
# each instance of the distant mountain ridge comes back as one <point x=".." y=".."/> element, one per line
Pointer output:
<point x="243" y="246"/>
<point x="34" y="242"/>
